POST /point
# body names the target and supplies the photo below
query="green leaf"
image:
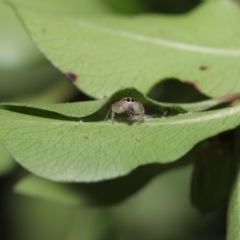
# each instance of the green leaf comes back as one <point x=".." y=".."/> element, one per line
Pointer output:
<point x="58" y="192"/>
<point x="214" y="171"/>
<point x="61" y="148"/>
<point x="97" y="193"/>
<point x="101" y="107"/>
<point x="102" y="54"/>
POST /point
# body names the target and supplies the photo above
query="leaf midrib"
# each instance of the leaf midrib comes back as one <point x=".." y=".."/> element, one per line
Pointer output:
<point x="162" y="42"/>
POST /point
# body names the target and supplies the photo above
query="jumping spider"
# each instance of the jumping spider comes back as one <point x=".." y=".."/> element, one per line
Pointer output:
<point x="130" y="106"/>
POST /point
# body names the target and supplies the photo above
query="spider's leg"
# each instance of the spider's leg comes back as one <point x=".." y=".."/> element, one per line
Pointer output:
<point x="112" y="114"/>
<point x="141" y="113"/>
<point x="107" y="115"/>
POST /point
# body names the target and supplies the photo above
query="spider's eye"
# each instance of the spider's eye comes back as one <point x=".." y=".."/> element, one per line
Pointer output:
<point x="128" y="99"/>
<point x="132" y="99"/>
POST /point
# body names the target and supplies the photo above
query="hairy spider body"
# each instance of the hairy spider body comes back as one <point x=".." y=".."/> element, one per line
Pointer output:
<point x="130" y="106"/>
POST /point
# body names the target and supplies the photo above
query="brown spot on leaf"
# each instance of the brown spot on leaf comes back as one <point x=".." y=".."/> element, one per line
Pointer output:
<point x="104" y="96"/>
<point x="43" y="30"/>
<point x="86" y="137"/>
<point x="71" y="76"/>
<point x="193" y="84"/>
<point x="203" y="68"/>
<point x="234" y="103"/>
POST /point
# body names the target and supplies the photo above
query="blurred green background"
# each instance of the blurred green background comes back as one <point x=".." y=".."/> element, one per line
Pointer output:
<point x="160" y="211"/>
